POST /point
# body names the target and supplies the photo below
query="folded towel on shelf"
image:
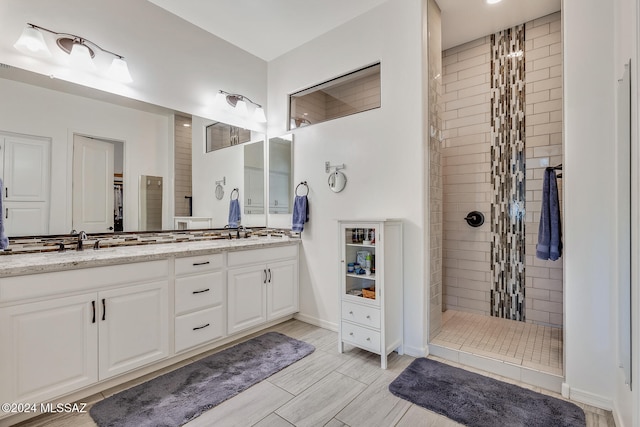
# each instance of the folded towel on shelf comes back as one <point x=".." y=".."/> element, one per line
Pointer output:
<point x="300" y="213"/>
<point x="234" y="213"/>
<point x="550" y="230"/>
<point x="4" y="241"/>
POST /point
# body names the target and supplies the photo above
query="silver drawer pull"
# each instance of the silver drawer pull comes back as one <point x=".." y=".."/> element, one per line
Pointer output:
<point x="351" y="312"/>
<point x="368" y="317"/>
<point x="368" y="339"/>
<point x="201" y="327"/>
<point x="201" y="263"/>
<point x="351" y="333"/>
<point x="199" y="292"/>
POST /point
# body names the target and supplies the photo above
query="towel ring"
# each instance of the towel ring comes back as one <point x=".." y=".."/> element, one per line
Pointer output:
<point x="306" y="185"/>
<point x="235" y="190"/>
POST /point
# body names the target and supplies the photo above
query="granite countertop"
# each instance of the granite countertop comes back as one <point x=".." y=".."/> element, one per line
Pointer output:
<point x="41" y="262"/>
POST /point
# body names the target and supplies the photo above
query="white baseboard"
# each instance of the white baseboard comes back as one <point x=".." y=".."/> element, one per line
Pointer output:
<point x="616" y="416"/>
<point x="415" y="351"/>
<point x="589" y="398"/>
<point x="316" y="322"/>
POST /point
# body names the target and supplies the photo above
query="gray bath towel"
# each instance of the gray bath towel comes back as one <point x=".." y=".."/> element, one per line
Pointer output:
<point x="300" y="213"/>
<point x="4" y="242"/>
<point x="550" y="230"/>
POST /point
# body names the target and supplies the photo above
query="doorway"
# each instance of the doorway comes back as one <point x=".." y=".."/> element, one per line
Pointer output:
<point x="98" y="197"/>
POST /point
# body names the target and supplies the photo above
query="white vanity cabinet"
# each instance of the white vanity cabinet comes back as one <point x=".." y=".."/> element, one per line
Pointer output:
<point x="262" y="286"/>
<point x="371" y="302"/>
<point x="200" y="296"/>
<point x="24" y="169"/>
<point x="94" y="323"/>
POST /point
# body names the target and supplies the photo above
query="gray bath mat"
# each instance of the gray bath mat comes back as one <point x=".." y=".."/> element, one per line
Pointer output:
<point x="177" y="397"/>
<point x="475" y="400"/>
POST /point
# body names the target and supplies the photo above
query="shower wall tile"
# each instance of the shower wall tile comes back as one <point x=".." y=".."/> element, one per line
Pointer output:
<point x="466" y="160"/>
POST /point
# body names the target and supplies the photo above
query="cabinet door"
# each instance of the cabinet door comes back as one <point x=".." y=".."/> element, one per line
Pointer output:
<point x="26" y="218"/>
<point x="26" y="169"/>
<point x="49" y="348"/>
<point x="246" y="288"/>
<point x="282" y="289"/>
<point x="133" y="327"/>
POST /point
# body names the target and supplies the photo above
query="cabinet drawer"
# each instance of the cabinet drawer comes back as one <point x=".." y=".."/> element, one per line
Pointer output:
<point x="367" y="316"/>
<point x="198" y="328"/>
<point x="199" y="291"/>
<point x="361" y="337"/>
<point x="258" y="256"/>
<point x="197" y="264"/>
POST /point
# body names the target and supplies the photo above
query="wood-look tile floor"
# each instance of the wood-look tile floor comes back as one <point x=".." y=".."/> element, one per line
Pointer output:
<point x="525" y="344"/>
<point x="323" y="389"/>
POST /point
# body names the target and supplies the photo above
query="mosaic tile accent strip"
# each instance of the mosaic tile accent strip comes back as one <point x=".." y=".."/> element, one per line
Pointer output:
<point x="508" y="173"/>
<point x="60" y="243"/>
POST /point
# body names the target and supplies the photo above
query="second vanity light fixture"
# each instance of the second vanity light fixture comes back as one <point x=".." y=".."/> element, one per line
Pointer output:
<point x="239" y="105"/>
<point x="80" y="51"/>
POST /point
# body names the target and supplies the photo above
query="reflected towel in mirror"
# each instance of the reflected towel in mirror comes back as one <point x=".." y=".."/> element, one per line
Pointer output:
<point x="234" y="213"/>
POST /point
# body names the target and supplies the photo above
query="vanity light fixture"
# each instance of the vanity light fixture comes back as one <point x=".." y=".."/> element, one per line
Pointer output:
<point x="240" y="104"/>
<point x="80" y="51"/>
<point x="492" y="1"/>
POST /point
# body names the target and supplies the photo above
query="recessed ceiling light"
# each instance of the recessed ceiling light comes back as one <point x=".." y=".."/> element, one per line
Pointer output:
<point x="492" y="1"/>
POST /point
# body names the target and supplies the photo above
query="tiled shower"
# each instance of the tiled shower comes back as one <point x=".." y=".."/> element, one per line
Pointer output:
<point x="492" y="270"/>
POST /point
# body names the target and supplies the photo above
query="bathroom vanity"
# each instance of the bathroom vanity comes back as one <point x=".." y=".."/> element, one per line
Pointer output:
<point x="77" y="322"/>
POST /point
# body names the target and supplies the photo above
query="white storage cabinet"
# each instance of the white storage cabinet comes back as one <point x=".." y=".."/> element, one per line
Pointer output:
<point x="262" y="286"/>
<point x="75" y="338"/>
<point x="371" y="310"/>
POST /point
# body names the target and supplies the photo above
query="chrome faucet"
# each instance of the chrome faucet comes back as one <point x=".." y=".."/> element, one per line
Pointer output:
<point x="82" y="236"/>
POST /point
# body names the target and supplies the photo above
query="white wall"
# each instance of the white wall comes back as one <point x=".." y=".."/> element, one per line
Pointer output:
<point x="590" y="224"/>
<point x="27" y="109"/>
<point x="381" y="148"/>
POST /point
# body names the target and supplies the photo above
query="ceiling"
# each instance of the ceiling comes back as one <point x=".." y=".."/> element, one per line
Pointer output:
<point x="270" y="28"/>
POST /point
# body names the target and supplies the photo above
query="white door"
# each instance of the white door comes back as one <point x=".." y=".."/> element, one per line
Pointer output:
<point x="282" y="295"/>
<point x="134" y="327"/>
<point x="49" y="348"/>
<point x="246" y="292"/>
<point x="92" y="185"/>
<point x="26" y="169"/>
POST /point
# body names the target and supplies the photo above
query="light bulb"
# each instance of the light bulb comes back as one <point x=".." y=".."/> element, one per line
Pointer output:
<point x="259" y="115"/>
<point x="31" y="42"/>
<point x="80" y="57"/>
<point x="119" y="71"/>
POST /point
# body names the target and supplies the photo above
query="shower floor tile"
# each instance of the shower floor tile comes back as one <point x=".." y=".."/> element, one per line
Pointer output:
<point x="525" y="344"/>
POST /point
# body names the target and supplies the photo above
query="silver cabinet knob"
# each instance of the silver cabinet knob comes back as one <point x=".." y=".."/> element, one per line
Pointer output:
<point x="368" y="339"/>
<point x="351" y="312"/>
<point x="368" y="317"/>
<point x="351" y="333"/>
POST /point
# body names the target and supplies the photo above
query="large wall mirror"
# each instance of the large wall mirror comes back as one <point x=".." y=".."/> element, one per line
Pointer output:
<point x="37" y="107"/>
<point x="280" y="174"/>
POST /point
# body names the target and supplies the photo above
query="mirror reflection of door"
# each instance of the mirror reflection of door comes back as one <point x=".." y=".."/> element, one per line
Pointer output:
<point x="94" y="192"/>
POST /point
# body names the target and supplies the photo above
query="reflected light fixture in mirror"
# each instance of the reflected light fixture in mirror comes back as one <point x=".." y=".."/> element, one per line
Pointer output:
<point x="32" y="42"/>
<point x="240" y="105"/>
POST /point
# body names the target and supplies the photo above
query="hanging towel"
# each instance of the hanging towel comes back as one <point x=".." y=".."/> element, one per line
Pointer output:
<point x="4" y="242"/>
<point x="234" y="213"/>
<point x="550" y="230"/>
<point x="300" y="213"/>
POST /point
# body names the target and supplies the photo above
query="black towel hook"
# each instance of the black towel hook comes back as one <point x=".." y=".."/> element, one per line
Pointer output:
<point x="306" y="185"/>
